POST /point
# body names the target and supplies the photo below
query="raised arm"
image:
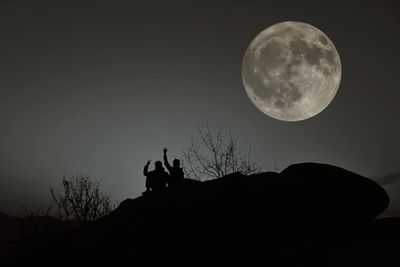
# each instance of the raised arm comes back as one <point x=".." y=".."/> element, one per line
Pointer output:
<point x="146" y="168"/>
<point x="166" y="163"/>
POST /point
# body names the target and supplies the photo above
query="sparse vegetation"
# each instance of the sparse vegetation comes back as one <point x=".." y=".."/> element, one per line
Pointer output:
<point x="82" y="199"/>
<point x="215" y="155"/>
<point x="79" y="202"/>
<point x="38" y="222"/>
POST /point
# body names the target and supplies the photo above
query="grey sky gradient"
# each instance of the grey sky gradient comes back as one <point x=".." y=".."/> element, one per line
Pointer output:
<point x="100" y="87"/>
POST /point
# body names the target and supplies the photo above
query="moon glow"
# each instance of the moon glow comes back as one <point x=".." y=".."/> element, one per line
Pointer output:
<point x="291" y="71"/>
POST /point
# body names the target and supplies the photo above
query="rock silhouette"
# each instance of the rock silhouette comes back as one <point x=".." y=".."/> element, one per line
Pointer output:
<point x="298" y="217"/>
<point x="334" y="193"/>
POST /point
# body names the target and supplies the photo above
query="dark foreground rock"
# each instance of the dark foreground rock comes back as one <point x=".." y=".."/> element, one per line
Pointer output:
<point x="308" y="215"/>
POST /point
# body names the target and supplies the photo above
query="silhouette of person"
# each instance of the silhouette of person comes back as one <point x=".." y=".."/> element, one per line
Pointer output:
<point x="157" y="179"/>
<point x="175" y="172"/>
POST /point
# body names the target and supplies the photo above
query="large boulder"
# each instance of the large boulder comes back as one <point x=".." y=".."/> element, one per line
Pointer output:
<point x="332" y="193"/>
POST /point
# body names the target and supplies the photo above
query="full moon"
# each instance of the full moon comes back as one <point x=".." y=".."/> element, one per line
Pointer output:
<point x="291" y="71"/>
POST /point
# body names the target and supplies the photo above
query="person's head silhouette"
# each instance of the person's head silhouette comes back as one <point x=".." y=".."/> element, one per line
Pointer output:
<point x="176" y="163"/>
<point x="158" y="165"/>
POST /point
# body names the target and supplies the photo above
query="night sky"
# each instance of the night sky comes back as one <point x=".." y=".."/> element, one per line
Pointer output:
<point x="100" y="87"/>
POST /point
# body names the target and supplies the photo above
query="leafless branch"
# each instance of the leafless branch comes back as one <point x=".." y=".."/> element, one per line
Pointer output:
<point x="81" y="198"/>
<point x="215" y="155"/>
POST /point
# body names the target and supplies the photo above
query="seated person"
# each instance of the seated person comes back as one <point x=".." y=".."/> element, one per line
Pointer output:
<point x="157" y="179"/>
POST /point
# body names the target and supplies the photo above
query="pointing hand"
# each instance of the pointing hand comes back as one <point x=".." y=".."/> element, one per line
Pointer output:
<point x="148" y="162"/>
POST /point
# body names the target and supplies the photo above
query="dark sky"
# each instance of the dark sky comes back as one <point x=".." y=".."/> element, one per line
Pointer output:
<point x="100" y="87"/>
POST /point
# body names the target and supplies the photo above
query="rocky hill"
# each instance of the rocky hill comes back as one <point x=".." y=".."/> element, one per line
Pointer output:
<point x="308" y="215"/>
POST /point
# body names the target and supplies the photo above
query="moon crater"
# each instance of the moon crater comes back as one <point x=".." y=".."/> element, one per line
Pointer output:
<point x="291" y="71"/>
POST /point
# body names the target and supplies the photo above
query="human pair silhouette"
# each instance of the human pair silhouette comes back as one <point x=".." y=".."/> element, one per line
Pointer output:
<point x="158" y="179"/>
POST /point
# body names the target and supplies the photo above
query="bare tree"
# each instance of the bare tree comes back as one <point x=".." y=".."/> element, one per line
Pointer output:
<point x="215" y="155"/>
<point x="81" y="198"/>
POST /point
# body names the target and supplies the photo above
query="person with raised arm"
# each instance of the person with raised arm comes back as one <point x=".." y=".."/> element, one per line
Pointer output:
<point x="157" y="179"/>
<point x="176" y="175"/>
